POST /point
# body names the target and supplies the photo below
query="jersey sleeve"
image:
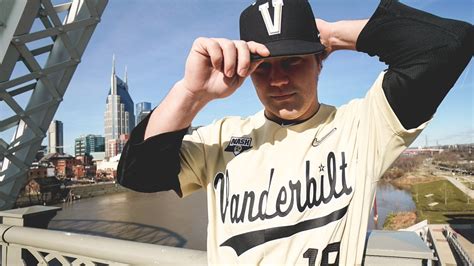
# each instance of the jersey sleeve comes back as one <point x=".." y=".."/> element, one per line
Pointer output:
<point x="425" y="53"/>
<point x="374" y="133"/>
<point x="381" y="137"/>
<point x="200" y="156"/>
<point x="170" y="161"/>
<point x="151" y="165"/>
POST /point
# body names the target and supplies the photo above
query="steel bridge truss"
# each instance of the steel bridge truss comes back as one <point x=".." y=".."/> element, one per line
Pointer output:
<point x="63" y="32"/>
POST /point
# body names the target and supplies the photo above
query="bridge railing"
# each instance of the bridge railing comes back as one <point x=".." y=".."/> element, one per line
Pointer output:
<point x="33" y="246"/>
<point x="452" y="239"/>
<point x="26" y="241"/>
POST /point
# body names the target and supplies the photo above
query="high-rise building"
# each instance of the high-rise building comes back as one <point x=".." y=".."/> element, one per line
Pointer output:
<point x="115" y="146"/>
<point x="143" y="109"/>
<point x="119" y="117"/>
<point x="85" y="145"/>
<point x="55" y="137"/>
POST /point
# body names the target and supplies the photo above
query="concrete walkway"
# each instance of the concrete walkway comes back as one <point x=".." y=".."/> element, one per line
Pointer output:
<point x="460" y="185"/>
<point x="441" y="245"/>
<point x="455" y="180"/>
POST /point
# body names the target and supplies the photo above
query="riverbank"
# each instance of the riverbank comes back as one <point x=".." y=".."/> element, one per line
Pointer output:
<point x="410" y="179"/>
<point x="436" y="200"/>
<point x="406" y="181"/>
<point x="399" y="220"/>
<point x="71" y="193"/>
<point x="98" y="189"/>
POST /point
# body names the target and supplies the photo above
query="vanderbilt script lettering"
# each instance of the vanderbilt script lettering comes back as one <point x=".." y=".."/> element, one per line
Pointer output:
<point x="250" y="206"/>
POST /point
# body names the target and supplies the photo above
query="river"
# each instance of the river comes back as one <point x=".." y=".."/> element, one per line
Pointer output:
<point x="162" y="218"/>
<point x="390" y="199"/>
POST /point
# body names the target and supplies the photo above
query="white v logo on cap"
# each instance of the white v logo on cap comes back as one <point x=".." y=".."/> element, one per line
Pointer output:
<point x="275" y="26"/>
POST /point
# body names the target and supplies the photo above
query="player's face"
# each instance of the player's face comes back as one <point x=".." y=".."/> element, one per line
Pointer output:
<point x="286" y="87"/>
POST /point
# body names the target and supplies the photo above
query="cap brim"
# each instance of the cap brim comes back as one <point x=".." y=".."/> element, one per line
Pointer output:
<point x="290" y="48"/>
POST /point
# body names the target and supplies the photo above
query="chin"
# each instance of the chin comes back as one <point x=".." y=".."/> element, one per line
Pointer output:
<point x="289" y="115"/>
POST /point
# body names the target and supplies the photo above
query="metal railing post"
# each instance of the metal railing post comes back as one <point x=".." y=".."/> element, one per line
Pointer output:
<point x="12" y="256"/>
<point x="34" y="216"/>
<point x="37" y="216"/>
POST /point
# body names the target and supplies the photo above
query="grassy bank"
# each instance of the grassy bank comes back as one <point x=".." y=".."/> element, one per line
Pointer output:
<point x="408" y="180"/>
<point x="399" y="220"/>
<point x="452" y="204"/>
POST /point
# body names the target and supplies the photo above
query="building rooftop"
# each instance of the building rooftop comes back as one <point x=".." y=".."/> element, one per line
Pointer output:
<point x="400" y="244"/>
<point x="56" y="156"/>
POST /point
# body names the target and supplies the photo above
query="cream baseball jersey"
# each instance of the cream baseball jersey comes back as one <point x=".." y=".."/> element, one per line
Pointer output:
<point x="301" y="194"/>
<point x="296" y="194"/>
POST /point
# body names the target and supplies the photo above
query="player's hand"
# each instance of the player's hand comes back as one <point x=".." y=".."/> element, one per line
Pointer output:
<point x="215" y="68"/>
<point x="339" y="35"/>
<point x="324" y="29"/>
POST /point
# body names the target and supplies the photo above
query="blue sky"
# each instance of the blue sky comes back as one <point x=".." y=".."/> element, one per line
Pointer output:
<point x="153" y="37"/>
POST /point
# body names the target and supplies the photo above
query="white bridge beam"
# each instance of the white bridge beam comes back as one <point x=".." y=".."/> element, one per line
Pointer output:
<point x="47" y="82"/>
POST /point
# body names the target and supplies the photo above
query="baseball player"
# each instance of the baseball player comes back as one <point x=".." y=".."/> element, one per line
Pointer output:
<point x="295" y="182"/>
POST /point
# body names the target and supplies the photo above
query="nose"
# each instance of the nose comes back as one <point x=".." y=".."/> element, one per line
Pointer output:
<point x="278" y="76"/>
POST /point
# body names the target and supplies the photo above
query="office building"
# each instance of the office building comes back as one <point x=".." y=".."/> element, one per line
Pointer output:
<point x="55" y="137"/>
<point x="119" y="117"/>
<point x="143" y="109"/>
<point x="85" y="145"/>
<point x="115" y="146"/>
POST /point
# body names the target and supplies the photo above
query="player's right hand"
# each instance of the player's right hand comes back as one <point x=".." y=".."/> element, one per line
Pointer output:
<point x="216" y="67"/>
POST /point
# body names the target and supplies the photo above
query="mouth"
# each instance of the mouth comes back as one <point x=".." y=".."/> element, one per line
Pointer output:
<point x="283" y="97"/>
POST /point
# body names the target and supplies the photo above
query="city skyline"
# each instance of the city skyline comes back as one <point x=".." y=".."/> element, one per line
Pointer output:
<point x="155" y="53"/>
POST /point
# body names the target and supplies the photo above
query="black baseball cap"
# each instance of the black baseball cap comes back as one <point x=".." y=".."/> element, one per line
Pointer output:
<point x="285" y="27"/>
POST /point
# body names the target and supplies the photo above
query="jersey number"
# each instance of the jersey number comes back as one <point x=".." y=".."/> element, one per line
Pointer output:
<point x="311" y="254"/>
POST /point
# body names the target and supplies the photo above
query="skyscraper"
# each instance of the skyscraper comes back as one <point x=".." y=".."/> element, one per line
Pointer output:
<point x="143" y="109"/>
<point x="119" y="117"/>
<point x="85" y="145"/>
<point x="55" y="137"/>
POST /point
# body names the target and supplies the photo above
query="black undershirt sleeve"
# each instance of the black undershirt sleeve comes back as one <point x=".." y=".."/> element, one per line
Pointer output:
<point x="152" y="165"/>
<point x="426" y="54"/>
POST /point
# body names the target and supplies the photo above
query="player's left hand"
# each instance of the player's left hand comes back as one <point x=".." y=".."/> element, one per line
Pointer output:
<point x="324" y="28"/>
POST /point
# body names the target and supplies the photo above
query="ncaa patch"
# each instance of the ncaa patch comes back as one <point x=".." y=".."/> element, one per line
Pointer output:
<point x="238" y="145"/>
